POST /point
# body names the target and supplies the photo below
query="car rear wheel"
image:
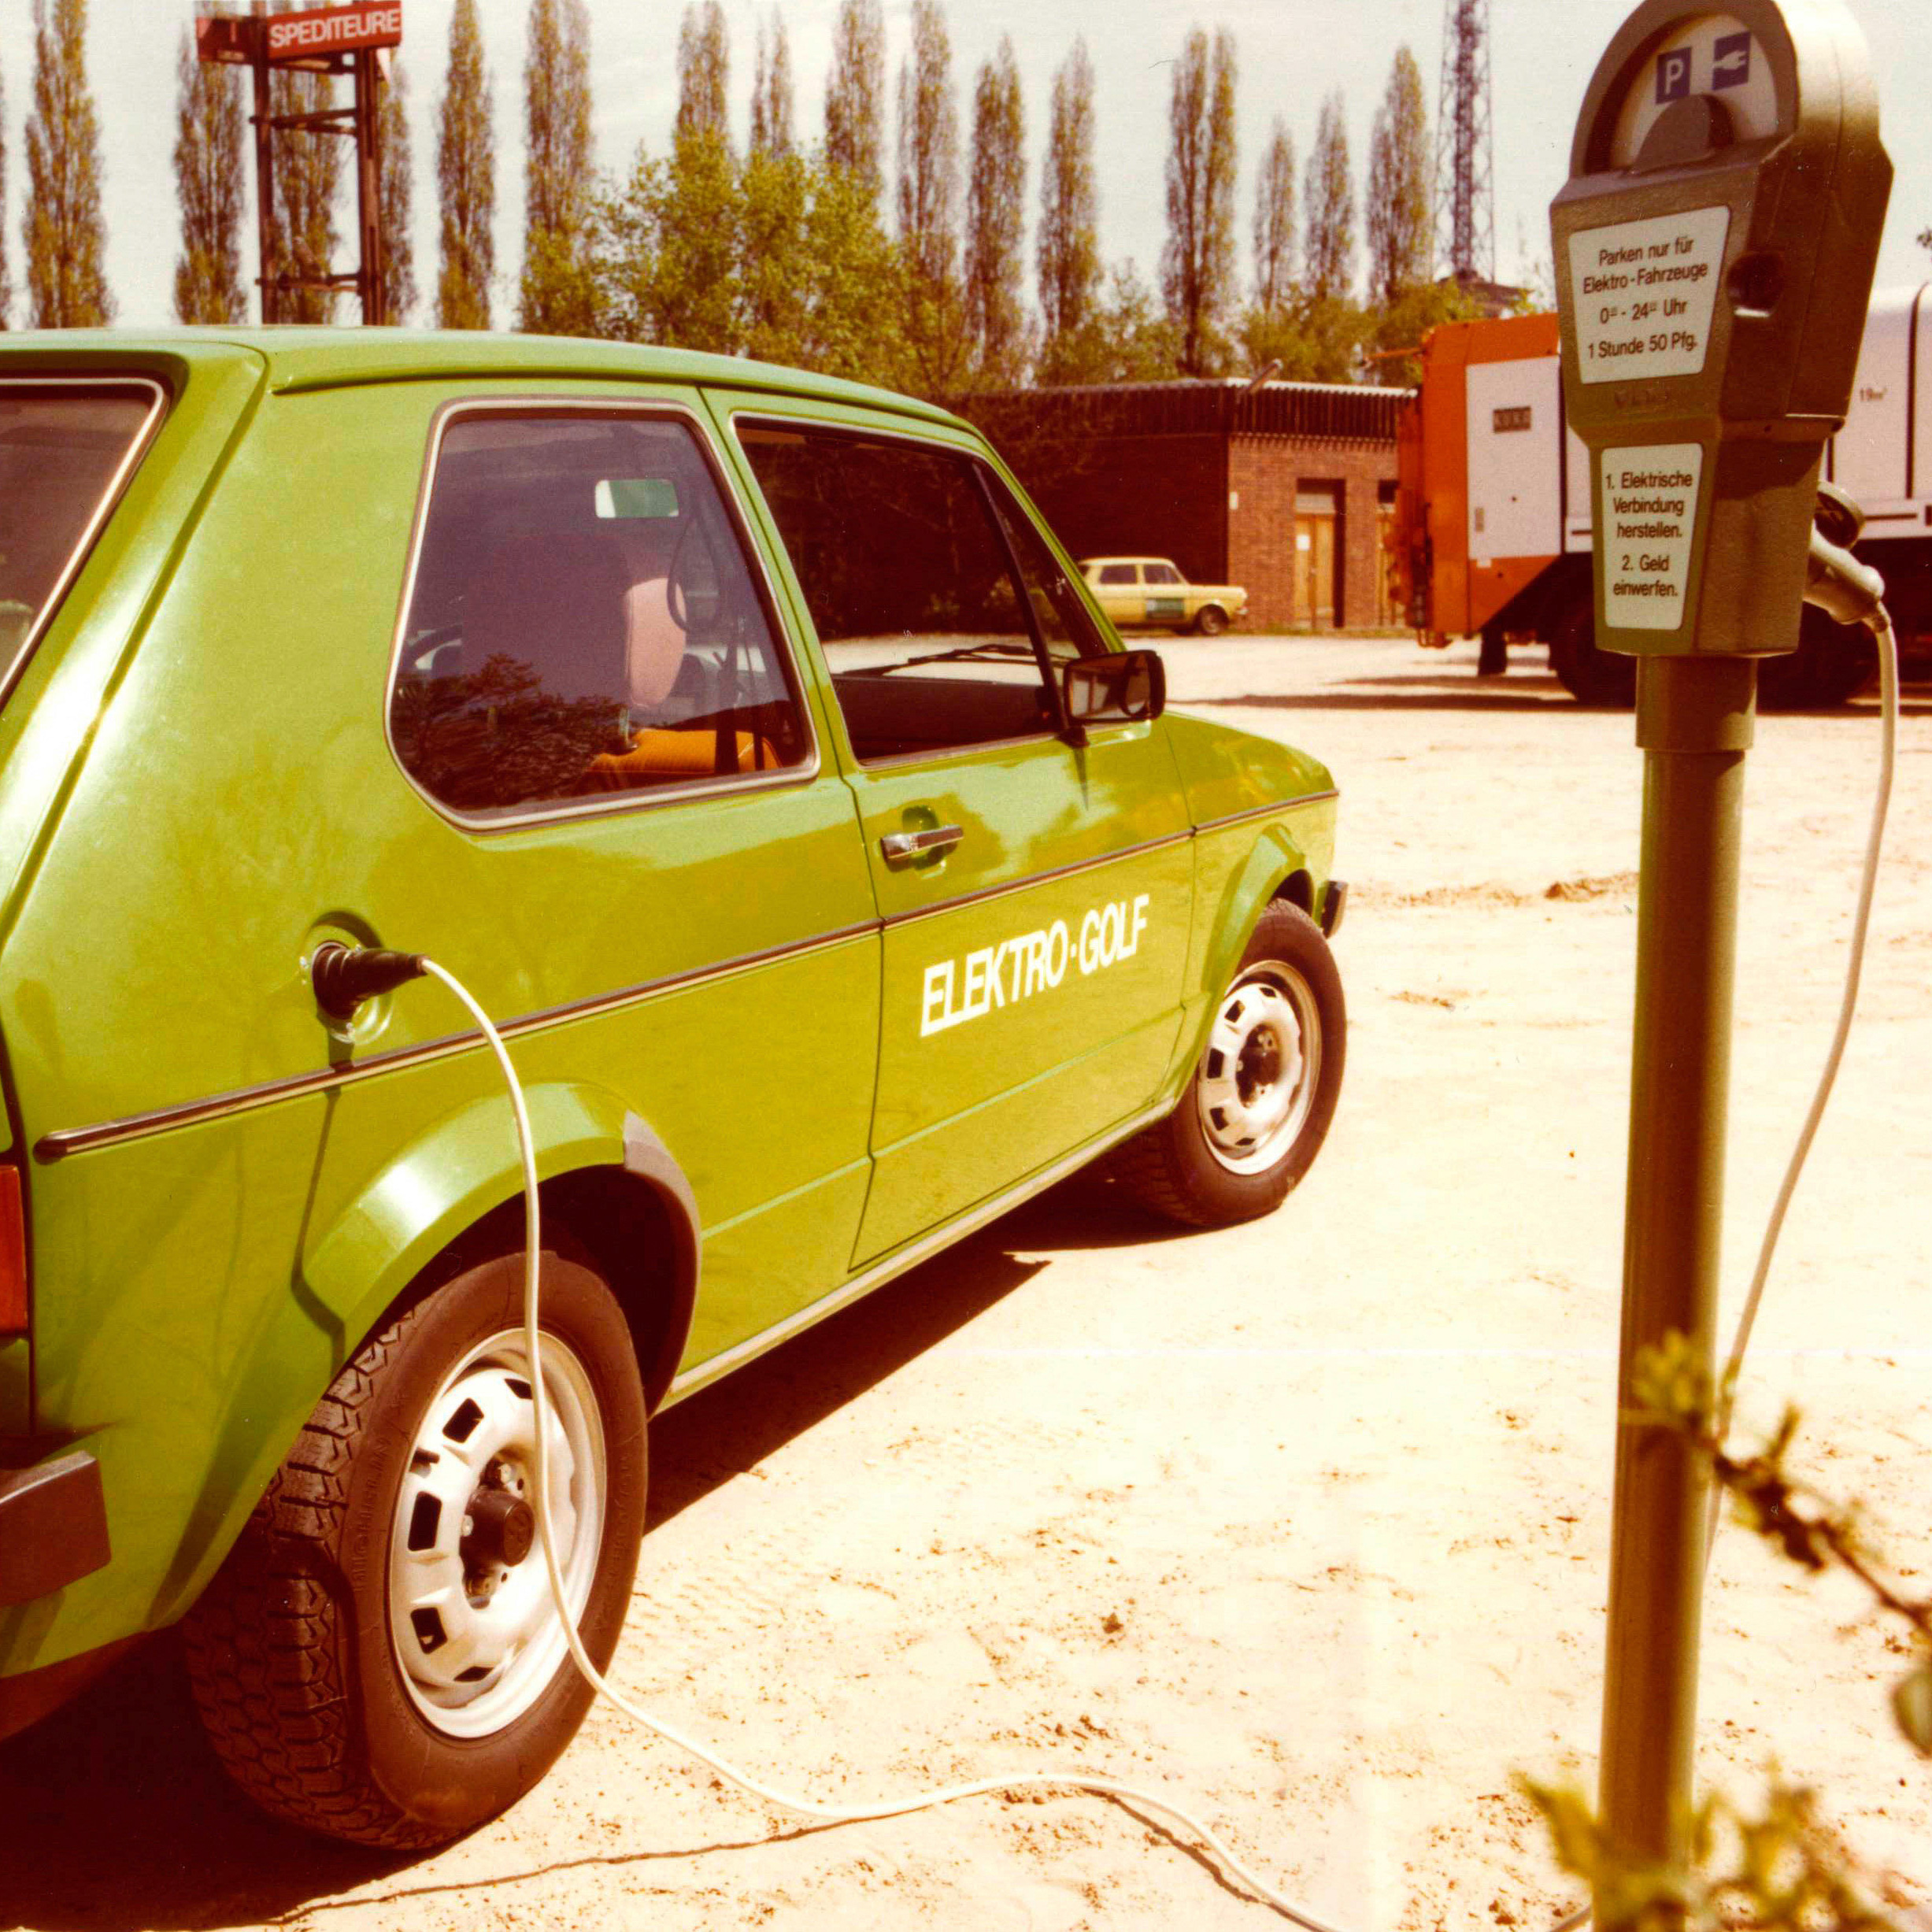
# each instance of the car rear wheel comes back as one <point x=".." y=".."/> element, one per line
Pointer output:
<point x="380" y="1658"/>
<point x="1258" y="1107"/>
<point x="1211" y="621"/>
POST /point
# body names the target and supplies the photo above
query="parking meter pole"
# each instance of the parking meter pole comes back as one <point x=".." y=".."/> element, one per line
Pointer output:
<point x="1694" y="723"/>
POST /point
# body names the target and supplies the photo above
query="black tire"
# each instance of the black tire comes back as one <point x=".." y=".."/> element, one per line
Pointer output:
<point x="1211" y="620"/>
<point x="1591" y="676"/>
<point x="1181" y="1166"/>
<point x="293" y="1653"/>
<point x="1831" y="663"/>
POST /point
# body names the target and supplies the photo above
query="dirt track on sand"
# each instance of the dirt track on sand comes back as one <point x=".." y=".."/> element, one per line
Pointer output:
<point x="1305" y="1523"/>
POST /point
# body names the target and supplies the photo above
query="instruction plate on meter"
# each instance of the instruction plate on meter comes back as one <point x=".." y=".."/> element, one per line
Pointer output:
<point x="1643" y="292"/>
<point x="1648" y="517"/>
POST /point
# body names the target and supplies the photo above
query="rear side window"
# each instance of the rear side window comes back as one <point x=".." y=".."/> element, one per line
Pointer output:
<point x="1118" y="573"/>
<point x="583" y="621"/>
<point x="66" y="452"/>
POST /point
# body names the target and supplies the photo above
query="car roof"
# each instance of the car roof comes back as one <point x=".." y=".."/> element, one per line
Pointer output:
<point x="1083" y="561"/>
<point x="312" y="358"/>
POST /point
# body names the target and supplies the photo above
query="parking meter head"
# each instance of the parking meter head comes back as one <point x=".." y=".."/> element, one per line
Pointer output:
<point x="1714" y="247"/>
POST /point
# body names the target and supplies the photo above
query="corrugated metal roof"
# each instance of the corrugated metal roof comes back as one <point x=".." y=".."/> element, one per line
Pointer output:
<point x="1311" y="412"/>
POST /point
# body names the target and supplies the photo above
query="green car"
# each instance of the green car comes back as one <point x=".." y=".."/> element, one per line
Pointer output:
<point x="747" y="744"/>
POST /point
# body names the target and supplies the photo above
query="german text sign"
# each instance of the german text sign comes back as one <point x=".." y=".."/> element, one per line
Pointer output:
<point x="1642" y="293"/>
<point x="306" y="36"/>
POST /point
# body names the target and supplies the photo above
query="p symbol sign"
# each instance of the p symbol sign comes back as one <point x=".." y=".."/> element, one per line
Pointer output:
<point x="1674" y="75"/>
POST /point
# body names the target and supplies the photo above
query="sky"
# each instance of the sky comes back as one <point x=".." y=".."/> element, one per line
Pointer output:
<point x="1292" y="53"/>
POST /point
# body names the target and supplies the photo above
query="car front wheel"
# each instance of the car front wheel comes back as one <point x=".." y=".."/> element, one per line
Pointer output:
<point x="1258" y="1107"/>
<point x="1212" y="621"/>
<point x="380" y="1657"/>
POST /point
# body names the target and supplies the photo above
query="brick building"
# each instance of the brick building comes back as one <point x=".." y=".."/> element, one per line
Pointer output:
<point x="1286" y="491"/>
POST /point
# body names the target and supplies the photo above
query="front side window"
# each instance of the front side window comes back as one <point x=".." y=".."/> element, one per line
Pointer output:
<point x="63" y="450"/>
<point x="583" y="621"/>
<point x="1162" y="573"/>
<point x="906" y="554"/>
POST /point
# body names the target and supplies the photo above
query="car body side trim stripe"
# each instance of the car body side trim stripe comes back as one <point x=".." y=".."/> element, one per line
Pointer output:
<point x="58" y="1145"/>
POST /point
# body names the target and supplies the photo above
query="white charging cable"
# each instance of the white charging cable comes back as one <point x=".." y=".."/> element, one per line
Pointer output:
<point x="1080" y="1781"/>
<point x="808" y="1808"/>
<point x="1848" y="1006"/>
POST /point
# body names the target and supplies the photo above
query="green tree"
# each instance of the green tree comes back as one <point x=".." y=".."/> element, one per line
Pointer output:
<point x="1126" y="337"/>
<point x="1317" y="338"/>
<point x="770" y="92"/>
<point x="1067" y="246"/>
<point x="466" y="179"/>
<point x="1197" y="264"/>
<point x="210" y="183"/>
<point x="1275" y="221"/>
<point x="704" y="72"/>
<point x="65" y="235"/>
<point x="307" y="178"/>
<point x="6" y="284"/>
<point x="995" y="220"/>
<point x="394" y="196"/>
<point x="781" y="256"/>
<point x="557" y="165"/>
<point x="855" y="95"/>
<point x="1328" y="224"/>
<point x="1396" y="204"/>
<point x="929" y="204"/>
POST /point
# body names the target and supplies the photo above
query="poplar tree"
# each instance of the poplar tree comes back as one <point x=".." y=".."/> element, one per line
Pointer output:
<point x="394" y="196"/>
<point x="558" y="163"/>
<point x="855" y="96"/>
<point x="770" y="92"/>
<point x="210" y="185"/>
<point x="62" y="230"/>
<point x="466" y="187"/>
<point x="995" y="219"/>
<point x="1197" y="264"/>
<point x="1395" y="205"/>
<point x="704" y="72"/>
<point x="7" y="285"/>
<point x="1328" y="248"/>
<point x="307" y="178"/>
<point x="1068" y="244"/>
<point x="929" y="203"/>
<point x="1274" y="222"/>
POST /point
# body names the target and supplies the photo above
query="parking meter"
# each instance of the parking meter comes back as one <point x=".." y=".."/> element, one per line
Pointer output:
<point x="1715" y="246"/>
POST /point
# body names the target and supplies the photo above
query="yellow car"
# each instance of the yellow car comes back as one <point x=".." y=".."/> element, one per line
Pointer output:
<point x="1147" y="592"/>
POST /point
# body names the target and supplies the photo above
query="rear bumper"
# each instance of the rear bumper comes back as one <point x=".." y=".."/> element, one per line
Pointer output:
<point x="52" y="1526"/>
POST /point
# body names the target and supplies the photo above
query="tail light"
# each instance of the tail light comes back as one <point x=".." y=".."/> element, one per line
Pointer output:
<point x="13" y="1255"/>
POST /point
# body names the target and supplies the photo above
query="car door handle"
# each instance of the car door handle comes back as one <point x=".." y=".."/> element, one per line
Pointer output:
<point x="898" y="846"/>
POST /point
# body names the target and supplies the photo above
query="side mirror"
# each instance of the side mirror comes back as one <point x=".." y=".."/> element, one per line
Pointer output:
<point x="1121" y="687"/>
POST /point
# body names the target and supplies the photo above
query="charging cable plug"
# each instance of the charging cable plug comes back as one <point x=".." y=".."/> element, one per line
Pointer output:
<point x="1846" y="590"/>
<point x="344" y="976"/>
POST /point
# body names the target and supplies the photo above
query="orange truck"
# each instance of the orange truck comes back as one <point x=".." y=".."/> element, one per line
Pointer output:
<point x="1492" y="508"/>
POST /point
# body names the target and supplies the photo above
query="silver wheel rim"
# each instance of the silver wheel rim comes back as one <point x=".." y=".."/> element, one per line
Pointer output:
<point x="476" y="1635"/>
<point x="1257" y="1078"/>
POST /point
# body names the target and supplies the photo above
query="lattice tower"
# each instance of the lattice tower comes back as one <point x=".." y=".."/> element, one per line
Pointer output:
<point x="1465" y="192"/>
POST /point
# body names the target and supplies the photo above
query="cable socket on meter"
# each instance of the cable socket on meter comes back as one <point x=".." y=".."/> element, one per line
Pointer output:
<point x="1846" y="590"/>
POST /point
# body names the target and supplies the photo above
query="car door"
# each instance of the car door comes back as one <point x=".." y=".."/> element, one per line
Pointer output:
<point x="1036" y="892"/>
<point x="1118" y="587"/>
<point x="1168" y="600"/>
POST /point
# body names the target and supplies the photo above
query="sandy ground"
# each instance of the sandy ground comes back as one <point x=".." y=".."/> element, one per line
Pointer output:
<point x="1305" y="1523"/>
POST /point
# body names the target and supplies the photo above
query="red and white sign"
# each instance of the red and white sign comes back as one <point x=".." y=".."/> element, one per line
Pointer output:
<point x="312" y="36"/>
<point x="334" y="29"/>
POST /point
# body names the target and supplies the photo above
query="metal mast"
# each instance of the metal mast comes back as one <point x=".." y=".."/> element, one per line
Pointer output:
<point x="1465" y="193"/>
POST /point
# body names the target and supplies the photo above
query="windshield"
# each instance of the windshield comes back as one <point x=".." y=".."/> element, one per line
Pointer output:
<point x="66" y="450"/>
